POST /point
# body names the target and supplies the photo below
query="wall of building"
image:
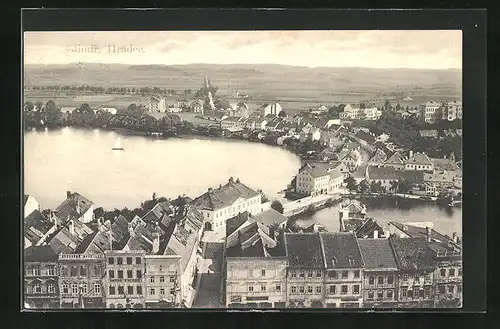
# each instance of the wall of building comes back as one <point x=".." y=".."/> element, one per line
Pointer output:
<point x="379" y="287"/>
<point x="163" y="278"/>
<point x="419" y="283"/>
<point x="305" y="288"/>
<point x="219" y="217"/>
<point x="41" y="287"/>
<point x="347" y="291"/>
<point x="30" y="206"/>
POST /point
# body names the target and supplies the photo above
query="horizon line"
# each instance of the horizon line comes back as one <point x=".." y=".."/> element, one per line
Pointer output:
<point x="250" y="64"/>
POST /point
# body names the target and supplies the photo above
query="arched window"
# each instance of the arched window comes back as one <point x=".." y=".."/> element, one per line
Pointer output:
<point x="119" y="306"/>
<point x="111" y="305"/>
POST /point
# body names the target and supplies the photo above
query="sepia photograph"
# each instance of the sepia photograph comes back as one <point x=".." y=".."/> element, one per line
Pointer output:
<point x="257" y="169"/>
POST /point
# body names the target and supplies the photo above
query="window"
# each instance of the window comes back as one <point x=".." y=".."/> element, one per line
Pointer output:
<point x="302" y="275"/>
<point x="161" y="268"/>
<point x="51" y="288"/>
<point x="309" y="289"/>
<point x="355" y="289"/>
<point x="380" y="294"/>
<point x="97" y="288"/>
<point x="460" y="272"/>
<point x="278" y="287"/>
<point x="111" y="290"/>
<point x="451" y="289"/>
<point x="310" y="274"/>
<point x="302" y="289"/>
<point x="37" y="288"/>
<point x="343" y="290"/>
<point x="130" y="290"/>
<point x="64" y="271"/>
<point x="138" y="260"/>
<point x="119" y="260"/>
<point x="443" y="272"/>
<point x="390" y="279"/>
<point x="129" y="260"/>
<point x="344" y="274"/>
<point x="294" y="289"/>
<point x="139" y="290"/>
<point x="380" y="280"/>
<point x="97" y="270"/>
<point x="120" y="274"/>
<point x="427" y="291"/>
<point x="121" y="290"/>
<point x="51" y="270"/>
<point x="389" y="293"/>
<point x="428" y="276"/>
<point x="152" y="291"/>
<point x="65" y="288"/>
<point x="262" y="287"/>
<point x="162" y="279"/>
<point x="356" y="274"/>
<point x="332" y="274"/>
<point x="318" y="274"/>
<point x="138" y="273"/>
<point x="162" y="291"/>
<point x="417" y="278"/>
<point x="172" y="291"/>
<point x="263" y="273"/>
<point x="129" y="274"/>
<point x="250" y="288"/>
<point x="405" y="277"/>
<point x="111" y="261"/>
<point x="451" y="272"/>
<point x="404" y="292"/>
<point x="410" y="293"/>
<point x="318" y="289"/>
<point x="370" y="294"/>
<point x="441" y="289"/>
<point x="371" y="279"/>
<point x="152" y="279"/>
<point x="250" y="273"/>
<point x="172" y="279"/>
<point x="83" y="288"/>
<point x="74" y="271"/>
<point x="333" y="289"/>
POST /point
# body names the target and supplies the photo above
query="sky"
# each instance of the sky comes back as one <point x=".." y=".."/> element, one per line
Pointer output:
<point x="420" y="49"/>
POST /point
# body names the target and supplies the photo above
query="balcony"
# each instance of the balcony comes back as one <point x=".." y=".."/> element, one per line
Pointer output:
<point x="81" y="256"/>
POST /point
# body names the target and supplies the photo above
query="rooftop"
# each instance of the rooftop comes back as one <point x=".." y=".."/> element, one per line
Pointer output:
<point x="396" y="158"/>
<point x="341" y="250"/>
<point x="224" y="196"/>
<point x="303" y="250"/>
<point x="412" y="254"/>
<point x="73" y="207"/>
<point x="269" y="217"/>
<point x="365" y="136"/>
<point x="377" y="254"/>
<point x="36" y="226"/>
<point x="419" y="159"/>
<point x="39" y="254"/>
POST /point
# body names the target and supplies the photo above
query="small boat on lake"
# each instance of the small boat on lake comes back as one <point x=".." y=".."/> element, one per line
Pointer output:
<point x="118" y="145"/>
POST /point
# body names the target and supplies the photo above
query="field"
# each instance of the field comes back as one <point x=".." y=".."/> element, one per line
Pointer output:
<point x="293" y="87"/>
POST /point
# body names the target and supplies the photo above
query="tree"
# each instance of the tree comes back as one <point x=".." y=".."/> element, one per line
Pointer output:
<point x="282" y="114"/>
<point x="276" y="205"/>
<point x="364" y="186"/>
<point x="350" y="183"/>
<point x="387" y="105"/>
<point x="29" y="106"/>
<point x="404" y="186"/>
<point x="263" y="197"/>
<point x="394" y="185"/>
<point x="398" y="107"/>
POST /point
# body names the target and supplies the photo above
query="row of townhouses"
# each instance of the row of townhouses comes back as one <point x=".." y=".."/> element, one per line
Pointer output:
<point x="432" y="112"/>
<point x="414" y="267"/>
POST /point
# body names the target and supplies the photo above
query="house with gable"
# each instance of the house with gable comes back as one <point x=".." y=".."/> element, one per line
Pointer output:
<point x="419" y="161"/>
<point x="37" y="229"/>
<point x="378" y="158"/>
<point x="30" y="205"/>
<point x="396" y="161"/>
<point x="75" y="207"/>
<point x="316" y="178"/>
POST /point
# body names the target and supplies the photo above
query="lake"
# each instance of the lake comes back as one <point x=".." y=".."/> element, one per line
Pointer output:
<point x="56" y="161"/>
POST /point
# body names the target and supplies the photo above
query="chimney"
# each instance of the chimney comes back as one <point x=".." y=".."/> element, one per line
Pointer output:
<point x="411" y="153"/>
<point x="68" y="194"/>
<point x="72" y="227"/>
<point x="375" y="234"/>
<point x="156" y="242"/>
<point x="231" y="179"/>
<point x="209" y="190"/>
<point x="55" y="220"/>
<point x="428" y="231"/>
<point x="99" y="224"/>
<point x="405" y="228"/>
<point x="130" y="229"/>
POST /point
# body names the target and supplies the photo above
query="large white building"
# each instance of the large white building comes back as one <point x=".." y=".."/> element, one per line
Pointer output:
<point x="219" y="204"/>
<point x="274" y="108"/>
<point x="157" y="104"/>
<point x="360" y="112"/>
<point x="320" y="178"/>
<point x="430" y="112"/>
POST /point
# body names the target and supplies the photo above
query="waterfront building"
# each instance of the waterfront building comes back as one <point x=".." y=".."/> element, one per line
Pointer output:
<point x="75" y="207"/>
<point x="378" y="158"/>
<point x="81" y="280"/>
<point x="41" y="275"/>
<point x="254" y="266"/>
<point x="305" y="284"/>
<point x="273" y="109"/>
<point x="343" y="270"/>
<point x="415" y="271"/>
<point x="124" y="282"/>
<point x="157" y="104"/>
<point x="396" y="161"/>
<point x="198" y="106"/>
<point x="219" y="204"/>
<point x="30" y="205"/>
<point x="231" y="122"/>
<point x="320" y="178"/>
<point x="418" y="161"/>
<point x="430" y="112"/>
<point x="380" y="273"/>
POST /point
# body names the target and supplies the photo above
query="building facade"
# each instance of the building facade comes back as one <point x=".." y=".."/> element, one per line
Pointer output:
<point x="41" y="275"/>
<point x="30" y="205"/>
<point x="430" y="112"/>
<point x="81" y="280"/>
<point x="157" y="104"/>
<point x="162" y="281"/>
<point x="124" y="282"/>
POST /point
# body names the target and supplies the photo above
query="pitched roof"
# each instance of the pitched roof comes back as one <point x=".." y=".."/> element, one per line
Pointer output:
<point x="25" y="199"/>
<point x="378" y="156"/>
<point x="232" y="119"/>
<point x="341" y="250"/>
<point x="119" y="229"/>
<point x="69" y="207"/>
<point x="383" y="173"/>
<point x="269" y="217"/>
<point x="303" y="250"/>
<point x="365" y="136"/>
<point x="419" y="159"/>
<point x="36" y="226"/>
<point x="444" y="164"/>
<point x="396" y="158"/>
<point x="63" y="241"/>
<point x="412" y="254"/>
<point x="191" y="218"/>
<point x="39" y="254"/>
<point x="156" y="213"/>
<point x="316" y="169"/>
<point x="354" y="206"/>
<point x="377" y="254"/>
<point x="439" y="242"/>
<point x="251" y="239"/>
<point x="224" y="196"/>
<point x="368" y="228"/>
<point x="233" y="223"/>
<point x="181" y="243"/>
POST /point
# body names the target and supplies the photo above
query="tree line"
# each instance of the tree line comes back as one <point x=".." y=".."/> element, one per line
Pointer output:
<point x="115" y="90"/>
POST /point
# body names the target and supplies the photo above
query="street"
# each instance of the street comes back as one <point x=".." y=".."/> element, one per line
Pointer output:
<point x="209" y="269"/>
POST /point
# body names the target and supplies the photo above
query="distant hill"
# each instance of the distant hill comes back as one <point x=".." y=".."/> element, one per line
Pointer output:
<point x="279" y="81"/>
